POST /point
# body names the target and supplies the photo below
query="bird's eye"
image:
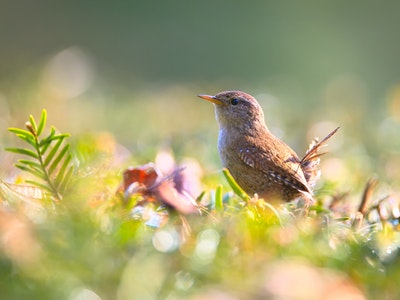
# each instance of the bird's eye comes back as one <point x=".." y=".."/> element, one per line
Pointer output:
<point x="234" y="101"/>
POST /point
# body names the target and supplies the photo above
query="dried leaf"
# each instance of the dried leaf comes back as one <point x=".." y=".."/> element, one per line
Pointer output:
<point x="149" y="182"/>
<point x="367" y="195"/>
<point x="146" y="175"/>
<point x="24" y="190"/>
<point x="182" y="202"/>
<point x="310" y="162"/>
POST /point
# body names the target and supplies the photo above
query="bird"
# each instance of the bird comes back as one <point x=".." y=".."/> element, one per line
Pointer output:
<point x="261" y="163"/>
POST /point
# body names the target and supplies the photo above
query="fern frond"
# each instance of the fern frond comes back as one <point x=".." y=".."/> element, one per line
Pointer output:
<point x="49" y="161"/>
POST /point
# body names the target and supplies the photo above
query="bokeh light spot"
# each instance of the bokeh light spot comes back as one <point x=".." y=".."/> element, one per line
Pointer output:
<point x="165" y="240"/>
<point x="207" y="244"/>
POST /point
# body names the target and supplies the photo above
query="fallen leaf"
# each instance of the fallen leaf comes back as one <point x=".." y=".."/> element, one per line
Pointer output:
<point x="148" y="181"/>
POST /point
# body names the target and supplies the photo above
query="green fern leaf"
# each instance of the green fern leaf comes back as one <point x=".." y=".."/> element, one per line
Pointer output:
<point x="61" y="173"/>
<point x="67" y="178"/>
<point x="59" y="157"/>
<point x="51" y="162"/>
<point x="21" y="132"/>
<point x="40" y="185"/>
<point x="59" y="136"/>
<point x="51" y="138"/>
<point x="29" y="139"/>
<point x="53" y="151"/>
<point x="45" y="143"/>
<point x="42" y="122"/>
<point x="31" y="163"/>
<point x="33" y="123"/>
<point x="23" y="152"/>
<point x="46" y="140"/>
<point x="31" y="170"/>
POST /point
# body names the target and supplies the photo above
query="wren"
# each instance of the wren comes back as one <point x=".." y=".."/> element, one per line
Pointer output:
<point x="261" y="163"/>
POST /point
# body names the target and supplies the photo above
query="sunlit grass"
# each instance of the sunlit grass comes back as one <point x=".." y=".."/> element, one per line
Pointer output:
<point x="100" y="243"/>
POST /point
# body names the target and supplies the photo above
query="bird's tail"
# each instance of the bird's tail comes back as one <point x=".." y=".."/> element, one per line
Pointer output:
<point x="310" y="162"/>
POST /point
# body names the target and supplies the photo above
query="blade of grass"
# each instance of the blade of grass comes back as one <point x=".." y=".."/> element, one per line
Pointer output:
<point x="219" y="205"/>
<point x="235" y="187"/>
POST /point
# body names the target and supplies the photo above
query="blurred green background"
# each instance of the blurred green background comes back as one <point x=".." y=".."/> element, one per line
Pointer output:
<point x="133" y="69"/>
<point x="122" y="78"/>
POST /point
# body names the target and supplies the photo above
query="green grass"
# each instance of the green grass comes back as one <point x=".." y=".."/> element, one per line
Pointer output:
<point x="94" y="239"/>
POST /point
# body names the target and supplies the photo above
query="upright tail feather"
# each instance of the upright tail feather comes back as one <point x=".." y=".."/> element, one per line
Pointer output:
<point x="310" y="162"/>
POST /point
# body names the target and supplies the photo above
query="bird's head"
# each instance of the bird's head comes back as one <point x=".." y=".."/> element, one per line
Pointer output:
<point x="236" y="108"/>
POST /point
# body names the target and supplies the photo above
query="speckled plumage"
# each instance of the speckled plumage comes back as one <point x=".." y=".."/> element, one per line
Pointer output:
<point x="260" y="162"/>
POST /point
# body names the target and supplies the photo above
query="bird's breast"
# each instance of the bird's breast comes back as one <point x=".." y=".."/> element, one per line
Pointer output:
<point x="230" y="146"/>
<point x="224" y="142"/>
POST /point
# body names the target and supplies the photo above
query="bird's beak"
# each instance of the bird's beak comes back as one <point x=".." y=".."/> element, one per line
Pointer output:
<point x="210" y="98"/>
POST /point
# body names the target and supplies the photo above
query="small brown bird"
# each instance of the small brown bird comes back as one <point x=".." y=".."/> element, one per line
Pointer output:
<point x="260" y="162"/>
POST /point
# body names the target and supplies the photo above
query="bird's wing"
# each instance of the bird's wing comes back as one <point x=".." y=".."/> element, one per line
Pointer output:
<point x="281" y="165"/>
